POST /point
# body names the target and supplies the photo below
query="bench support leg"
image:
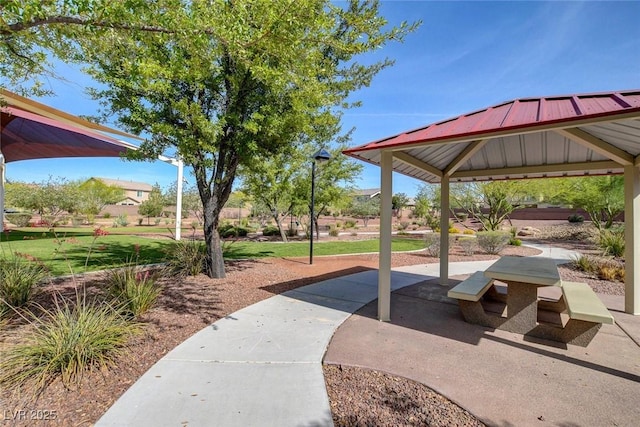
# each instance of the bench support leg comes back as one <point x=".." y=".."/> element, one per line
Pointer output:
<point x="576" y="332"/>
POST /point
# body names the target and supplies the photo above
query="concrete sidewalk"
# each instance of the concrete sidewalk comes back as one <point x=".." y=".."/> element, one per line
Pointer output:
<point x="262" y="365"/>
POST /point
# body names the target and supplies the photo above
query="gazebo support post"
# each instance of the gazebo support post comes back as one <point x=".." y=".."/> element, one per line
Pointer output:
<point x="632" y="239"/>
<point x="444" y="230"/>
<point x="384" y="266"/>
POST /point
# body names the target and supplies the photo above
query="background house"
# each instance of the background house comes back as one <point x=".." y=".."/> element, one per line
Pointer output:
<point x="134" y="192"/>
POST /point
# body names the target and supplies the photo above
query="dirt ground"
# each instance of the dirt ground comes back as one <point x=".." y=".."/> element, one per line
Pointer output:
<point x="358" y="397"/>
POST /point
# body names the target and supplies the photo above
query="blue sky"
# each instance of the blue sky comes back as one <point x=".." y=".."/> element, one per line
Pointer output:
<point x="465" y="56"/>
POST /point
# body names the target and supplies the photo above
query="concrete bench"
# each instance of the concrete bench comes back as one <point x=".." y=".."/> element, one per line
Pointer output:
<point x="583" y="304"/>
<point x="472" y="288"/>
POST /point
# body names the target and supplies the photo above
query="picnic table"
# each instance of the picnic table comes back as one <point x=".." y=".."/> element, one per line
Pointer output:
<point x="523" y="276"/>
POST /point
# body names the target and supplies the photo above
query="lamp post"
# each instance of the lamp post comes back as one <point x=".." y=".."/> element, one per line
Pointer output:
<point x="320" y="156"/>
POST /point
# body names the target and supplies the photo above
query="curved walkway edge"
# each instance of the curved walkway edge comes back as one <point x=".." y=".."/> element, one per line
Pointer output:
<point x="262" y="365"/>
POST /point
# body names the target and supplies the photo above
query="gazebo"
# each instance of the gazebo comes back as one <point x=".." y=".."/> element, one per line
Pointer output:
<point x="31" y="130"/>
<point x="572" y="135"/>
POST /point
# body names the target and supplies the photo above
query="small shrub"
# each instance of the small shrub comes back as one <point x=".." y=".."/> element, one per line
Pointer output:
<point x="185" y="258"/>
<point x="70" y="340"/>
<point x="349" y="223"/>
<point x="19" y="219"/>
<point x="292" y="232"/>
<point x="462" y="216"/>
<point x="156" y="221"/>
<point x="612" y="242"/>
<point x="453" y="230"/>
<point x="584" y="263"/>
<point x="492" y="242"/>
<point x="106" y="215"/>
<point x="468" y="245"/>
<point x="432" y="243"/>
<point x="469" y="232"/>
<point x="18" y="279"/>
<point x="338" y="224"/>
<point x="403" y="225"/>
<point x="575" y="218"/>
<point x="270" y="230"/>
<point x="334" y="232"/>
<point x="134" y="291"/>
<point x="607" y="272"/>
<point x="515" y="242"/>
<point x="233" y="231"/>
<point x="121" y="221"/>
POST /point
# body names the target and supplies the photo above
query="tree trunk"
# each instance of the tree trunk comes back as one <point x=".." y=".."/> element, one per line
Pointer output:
<point x="214" y="261"/>
<point x="283" y="234"/>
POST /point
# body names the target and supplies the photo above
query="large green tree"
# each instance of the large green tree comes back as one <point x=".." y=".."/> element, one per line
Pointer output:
<point x="218" y="83"/>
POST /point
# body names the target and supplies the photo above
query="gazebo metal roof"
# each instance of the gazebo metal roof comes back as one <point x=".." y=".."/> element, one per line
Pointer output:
<point x="573" y="135"/>
<point x="586" y="134"/>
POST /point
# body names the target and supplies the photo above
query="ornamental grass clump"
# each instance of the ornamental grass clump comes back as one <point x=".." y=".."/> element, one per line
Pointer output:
<point x="612" y="242"/>
<point x="133" y="290"/>
<point x="185" y="258"/>
<point x="18" y="279"/>
<point x="66" y="342"/>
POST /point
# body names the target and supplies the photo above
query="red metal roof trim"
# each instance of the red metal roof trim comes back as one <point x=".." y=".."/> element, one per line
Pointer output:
<point x="516" y="114"/>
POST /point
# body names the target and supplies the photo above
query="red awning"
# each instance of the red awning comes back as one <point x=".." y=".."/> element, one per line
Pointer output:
<point x="30" y="136"/>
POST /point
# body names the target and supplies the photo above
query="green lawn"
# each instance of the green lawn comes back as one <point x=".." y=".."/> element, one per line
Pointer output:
<point x="76" y="250"/>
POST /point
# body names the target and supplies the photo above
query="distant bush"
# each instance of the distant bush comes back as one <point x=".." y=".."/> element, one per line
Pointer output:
<point x="468" y="245"/>
<point x="349" y="223"/>
<point x="432" y="244"/>
<point x="468" y="231"/>
<point x="493" y="242"/>
<point x="403" y="225"/>
<point x="77" y="221"/>
<point x="19" y="219"/>
<point x="106" y="215"/>
<point x="462" y="216"/>
<point x="575" y="218"/>
<point x="515" y="242"/>
<point x="233" y="231"/>
<point x="121" y="221"/>
<point x="334" y="232"/>
<point x="270" y="230"/>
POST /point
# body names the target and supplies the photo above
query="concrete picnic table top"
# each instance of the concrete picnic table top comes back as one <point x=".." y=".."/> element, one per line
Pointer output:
<point x="532" y="270"/>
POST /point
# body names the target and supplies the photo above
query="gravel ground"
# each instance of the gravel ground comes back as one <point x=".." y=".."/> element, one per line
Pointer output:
<point x="358" y="397"/>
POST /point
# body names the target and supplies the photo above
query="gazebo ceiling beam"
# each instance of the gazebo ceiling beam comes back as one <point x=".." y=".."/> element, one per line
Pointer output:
<point x="539" y="169"/>
<point x="596" y="144"/>
<point x="412" y="161"/>
<point x="465" y="155"/>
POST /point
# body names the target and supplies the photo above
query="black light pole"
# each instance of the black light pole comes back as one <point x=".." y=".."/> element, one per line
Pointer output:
<point x="320" y="156"/>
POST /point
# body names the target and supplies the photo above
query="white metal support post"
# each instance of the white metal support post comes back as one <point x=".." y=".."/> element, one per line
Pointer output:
<point x="444" y="230"/>
<point x="179" y="184"/>
<point x="384" y="266"/>
<point x="632" y="239"/>
<point x="180" y="165"/>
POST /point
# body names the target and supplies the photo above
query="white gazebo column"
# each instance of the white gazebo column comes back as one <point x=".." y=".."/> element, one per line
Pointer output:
<point x="444" y="230"/>
<point x="384" y="266"/>
<point x="632" y="239"/>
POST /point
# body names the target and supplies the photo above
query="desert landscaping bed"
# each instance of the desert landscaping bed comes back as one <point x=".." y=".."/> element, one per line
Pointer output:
<point x="190" y="304"/>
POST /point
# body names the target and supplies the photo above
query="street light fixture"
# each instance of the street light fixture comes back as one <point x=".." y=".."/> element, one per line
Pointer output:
<point x="321" y="155"/>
